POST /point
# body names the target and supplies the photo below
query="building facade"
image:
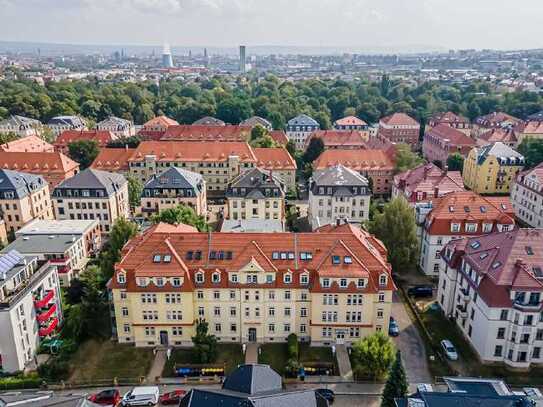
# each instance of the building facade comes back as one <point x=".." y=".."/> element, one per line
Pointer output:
<point x="23" y="197"/>
<point x="330" y="287"/>
<point x="527" y="196"/>
<point x="93" y="194"/>
<point x="299" y="128"/>
<point x="102" y="138"/>
<point x="491" y="169"/>
<point x="450" y="119"/>
<point x="119" y="127"/>
<point x="457" y="215"/>
<point x="256" y="194"/>
<point x="338" y="195"/>
<point x="341" y="139"/>
<point x="59" y="124"/>
<point x="492" y="287"/>
<point x="172" y="188"/>
<point x="30" y="309"/>
<point x="21" y="126"/>
<point x="350" y="123"/>
<point x="442" y="141"/>
<point x="400" y="128"/>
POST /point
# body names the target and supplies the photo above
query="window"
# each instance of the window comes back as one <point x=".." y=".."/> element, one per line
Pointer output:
<point x="343" y="282"/>
<point x="498" y="350"/>
<point x="347" y="260"/>
<point x="501" y="333"/>
<point x="124" y="311"/>
<point x="287" y="295"/>
<point x="200" y="295"/>
<point x="361" y="283"/>
<point x="287" y="312"/>
<point x="325" y="282"/>
<point x="216" y="278"/>
<point x="287" y="278"/>
<point x="201" y="311"/>
<point x="233" y="328"/>
<point x="121" y="278"/>
<point x="199" y="277"/>
<point x="383" y="279"/>
<point x="303" y="312"/>
<point x="304" y="279"/>
<point x="286" y="327"/>
<point x="271" y="328"/>
<point x="381" y="297"/>
<point x="234" y="278"/>
<point x="503" y="315"/>
<point x="157" y="258"/>
<point x="336" y="260"/>
<point x="167" y="258"/>
<point x="536" y="354"/>
<point x="455" y="227"/>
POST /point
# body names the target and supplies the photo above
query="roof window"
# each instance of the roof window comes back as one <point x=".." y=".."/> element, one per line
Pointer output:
<point x="496" y="264"/>
<point x="451" y="208"/>
<point x="483" y="209"/>
<point x="529" y="250"/>
<point x="336" y="260"/>
<point x="475" y="244"/>
<point x="157" y="258"/>
<point x="347" y="260"/>
<point x="167" y="258"/>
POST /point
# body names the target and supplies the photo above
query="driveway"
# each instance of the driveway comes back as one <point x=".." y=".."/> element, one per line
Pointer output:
<point x="410" y="344"/>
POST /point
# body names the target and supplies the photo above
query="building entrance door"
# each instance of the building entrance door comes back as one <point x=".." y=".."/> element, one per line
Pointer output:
<point x="340" y="337"/>
<point x="164" y="338"/>
<point x="252" y="334"/>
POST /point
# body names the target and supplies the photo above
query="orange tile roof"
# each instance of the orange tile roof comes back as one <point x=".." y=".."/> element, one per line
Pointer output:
<point x="533" y="128"/>
<point x="448" y="117"/>
<point x="368" y="256"/>
<point x="113" y="159"/>
<point x="279" y="137"/>
<point x="359" y="160"/>
<point x="350" y="121"/>
<point x="68" y="136"/>
<point x="399" y="119"/>
<point x="468" y="207"/>
<point x="274" y="159"/>
<point x="160" y="121"/>
<point x="37" y="162"/>
<point x="340" y="138"/>
<point x="28" y="144"/>
<point x="506" y="136"/>
<point x="195" y="132"/>
<point x="454" y="137"/>
<point x="193" y="151"/>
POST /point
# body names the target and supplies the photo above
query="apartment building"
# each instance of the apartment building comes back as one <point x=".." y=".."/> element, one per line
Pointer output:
<point x="527" y="196"/>
<point x="119" y="127"/>
<point x="377" y="165"/>
<point x="299" y="128"/>
<point x="532" y="129"/>
<point x="30" y="309"/>
<point x="337" y="195"/>
<point x="350" y="123"/>
<point x="342" y="139"/>
<point x="174" y="187"/>
<point x="23" y="197"/>
<point x="21" y="126"/>
<point x="400" y="128"/>
<point x="209" y="133"/>
<point x="329" y="287"/>
<point x="93" y="194"/>
<point x="155" y="128"/>
<point x="492" y="287"/>
<point x="494" y="120"/>
<point x="257" y="121"/>
<point x="491" y="169"/>
<point x="53" y="167"/>
<point x="442" y="141"/>
<point x="457" y="215"/>
<point x="507" y="136"/>
<point x="102" y="138"/>
<point x="59" y="124"/>
<point x="114" y="160"/>
<point x="280" y="162"/>
<point x="28" y="144"/>
<point x="452" y="120"/>
<point x="256" y="194"/>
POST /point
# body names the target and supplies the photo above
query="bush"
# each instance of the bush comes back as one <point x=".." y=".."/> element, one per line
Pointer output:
<point x="372" y="356"/>
<point x="293" y="352"/>
<point x="20" y="382"/>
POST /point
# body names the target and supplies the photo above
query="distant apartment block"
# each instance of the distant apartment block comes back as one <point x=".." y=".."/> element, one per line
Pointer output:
<point x="452" y="120"/>
<point x="442" y="141"/>
<point x="59" y="124"/>
<point x="119" y="127"/>
<point x="527" y="196"/>
<point x="21" y="126"/>
<point x="299" y="128"/>
<point x="400" y="128"/>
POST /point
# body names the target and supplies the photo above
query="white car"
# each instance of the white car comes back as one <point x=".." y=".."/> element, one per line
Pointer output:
<point x="141" y="396"/>
<point x="449" y="349"/>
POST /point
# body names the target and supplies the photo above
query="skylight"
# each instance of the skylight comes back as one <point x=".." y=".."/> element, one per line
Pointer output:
<point x="475" y="244"/>
<point x="483" y="209"/>
<point x="529" y="250"/>
<point x="451" y="208"/>
<point x="156" y="258"/>
<point x="496" y="264"/>
<point x="466" y="209"/>
<point x="167" y="258"/>
<point x="537" y="272"/>
<point x="483" y="256"/>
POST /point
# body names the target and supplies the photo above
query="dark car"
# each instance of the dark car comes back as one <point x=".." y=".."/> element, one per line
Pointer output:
<point x="420" y="291"/>
<point x="173" y="397"/>
<point x="109" y="397"/>
<point x="327" y="394"/>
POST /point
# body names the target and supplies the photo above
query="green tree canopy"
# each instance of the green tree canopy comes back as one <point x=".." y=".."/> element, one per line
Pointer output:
<point x="532" y="150"/>
<point x="396" y="228"/>
<point x="372" y="356"/>
<point x="84" y="152"/>
<point x="205" y="344"/>
<point x="455" y="162"/>
<point x="121" y="232"/>
<point x="406" y="159"/>
<point x="396" y="385"/>
<point x="135" y="188"/>
<point x="181" y="214"/>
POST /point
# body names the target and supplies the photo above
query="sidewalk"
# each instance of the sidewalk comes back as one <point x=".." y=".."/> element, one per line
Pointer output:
<point x="157" y="367"/>
<point x="344" y="363"/>
<point x="251" y="354"/>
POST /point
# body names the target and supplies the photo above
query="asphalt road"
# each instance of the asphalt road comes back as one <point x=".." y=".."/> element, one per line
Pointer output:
<point x="410" y="344"/>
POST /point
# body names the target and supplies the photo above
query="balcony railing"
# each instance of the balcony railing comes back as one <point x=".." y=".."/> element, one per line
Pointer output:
<point x="15" y="295"/>
<point x="42" y="302"/>
<point x="44" y="316"/>
<point x="48" y="330"/>
<point x="527" y="306"/>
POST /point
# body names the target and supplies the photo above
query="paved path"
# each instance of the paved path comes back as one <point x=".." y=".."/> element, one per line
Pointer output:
<point x="410" y="344"/>
<point x="157" y="366"/>
<point x="251" y="354"/>
<point x="344" y="363"/>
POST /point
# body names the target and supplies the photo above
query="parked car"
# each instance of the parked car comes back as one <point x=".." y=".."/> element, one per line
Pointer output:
<point x="173" y="397"/>
<point x="393" y="328"/>
<point x="110" y="397"/>
<point x="141" y="396"/>
<point x="420" y="291"/>
<point x="327" y="394"/>
<point x="449" y="349"/>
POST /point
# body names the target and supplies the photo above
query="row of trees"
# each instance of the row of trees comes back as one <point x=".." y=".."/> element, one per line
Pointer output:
<point x="271" y="98"/>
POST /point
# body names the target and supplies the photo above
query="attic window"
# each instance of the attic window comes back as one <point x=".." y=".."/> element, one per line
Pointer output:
<point x="483" y="209"/>
<point x="229" y="255"/>
<point x="167" y="258"/>
<point x="156" y="258"/>
<point x="121" y="278"/>
<point x="537" y="272"/>
<point x="483" y="256"/>
<point x="475" y="244"/>
<point x="504" y="207"/>
<point x="306" y="256"/>
<point x="336" y="260"/>
<point x="291" y="255"/>
<point x="189" y="255"/>
<point x="347" y="260"/>
<point x="275" y="255"/>
<point x="198" y="255"/>
<point x="212" y="255"/>
<point x="220" y="255"/>
<point x="283" y="255"/>
<point x="451" y="208"/>
<point x="496" y="264"/>
<point x="529" y="250"/>
<point x="466" y="209"/>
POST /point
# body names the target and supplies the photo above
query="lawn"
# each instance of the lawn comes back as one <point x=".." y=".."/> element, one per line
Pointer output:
<point x="275" y="355"/>
<point x="103" y="360"/>
<point x="229" y="354"/>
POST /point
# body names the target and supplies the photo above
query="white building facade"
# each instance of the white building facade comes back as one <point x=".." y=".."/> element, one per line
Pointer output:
<point x="527" y="197"/>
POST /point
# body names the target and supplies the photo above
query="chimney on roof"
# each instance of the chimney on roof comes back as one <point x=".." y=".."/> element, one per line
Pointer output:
<point x="436" y="192"/>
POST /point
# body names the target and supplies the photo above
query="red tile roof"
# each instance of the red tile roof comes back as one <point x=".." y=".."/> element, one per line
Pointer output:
<point x="279" y="137"/>
<point x="193" y="151"/>
<point x="113" y="159"/>
<point x="359" y="160"/>
<point x="28" y="144"/>
<point x="448" y="117"/>
<point x="451" y="135"/>
<point x="162" y="121"/>
<point x="192" y="132"/>
<point x="28" y="162"/>
<point x="399" y="119"/>
<point x="506" y="136"/>
<point x="274" y="159"/>
<point x="340" y="138"/>
<point x="350" y="121"/>
<point x="103" y="137"/>
<point x="533" y="128"/>
<point x="427" y="179"/>
<point x="496" y="119"/>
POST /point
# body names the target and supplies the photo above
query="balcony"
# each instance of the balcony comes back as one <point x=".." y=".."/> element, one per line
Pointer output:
<point x="46" y="314"/>
<point x="40" y="303"/>
<point x="527" y="306"/>
<point x="49" y="329"/>
<point x="462" y="311"/>
<point x="464" y="295"/>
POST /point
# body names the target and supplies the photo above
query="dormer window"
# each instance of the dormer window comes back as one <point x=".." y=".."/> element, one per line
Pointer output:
<point x="336" y="260"/>
<point x="142" y="282"/>
<point x="287" y="278"/>
<point x="159" y="281"/>
<point x="167" y="258"/>
<point x="234" y="278"/>
<point x="304" y="279"/>
<point x="383" y="279"/>
<point x="121" y="278"/>
<point x="343" y="282"/>
<point x="269" y="278"/>
<point x="216" y="278"/>
<point x="200" y="277"/>
<point x="361" y="283"/>
<point x="471" y="227"/>
<point x="326" y="282"/>
<point x="455" y="227"/>
<point x="176" y="281"/>
<point x="347" y="260"/>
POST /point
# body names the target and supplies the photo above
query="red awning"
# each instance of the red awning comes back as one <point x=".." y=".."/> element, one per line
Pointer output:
<point x="44" y="316"/>
<point x="45" y="300"/>
<point x="46" y="331"/>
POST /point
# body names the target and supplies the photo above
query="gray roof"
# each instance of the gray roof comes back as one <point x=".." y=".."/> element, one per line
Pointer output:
<point x="20" y="121"/>
<point x="175" y="178"/>
<point x="303" y="120"/>
<point x="210" y="121"/>
<point x="42" y="244"/>
<point x="43" y="399"/>
<point x="21" y="183"/>
<point x="536" y="116"/>
<point x="439" y="399"/>
<point x="252" y="225"/>
<point x="114" y="121"/>
<point x="253" y="379"/>
<point x="500" y="151"/>
<point x="56" y="227"/>
<point x="256" y="178"/>
<point x="94" y="179"/>
<point x="73" y="121"/>
<point x="11" y="262"/>
<point x="339" y="175"/>
<point x="253" y="121"/>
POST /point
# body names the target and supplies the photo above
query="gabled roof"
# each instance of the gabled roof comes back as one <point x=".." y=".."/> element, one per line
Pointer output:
<point x="114" y="121"/>
<point x="451" y="135"/>
<point x="34" y="162"/>
<point x="255" y="178"/>
<point x="350" y="121"/>
<point x="534" y="127"/>
<point x="102" y="137"/>
<point x="339" y="138"/>
<point x="113" y="159"/>
<point x="274" y="158"/>
<point x="73" y="121"/>
<point x="339" y="175"/>
<point x="22" y="184"/>
<point x="359" y="160"/>
<point x="399" y="119"/>
<point x="253" y="379"/>
<point x="174" y="178"/>
<point x="303" y="120"/>
<point x="256" y="120"/>
<point x="94" y="179"/>
<point x="162" y="121"/>
<point x="448" y="117"/>
<point x="28" y="144"/>
<point x="496" y="119"/>
<point x="209" y="121"/>
<point x="206" y="132"/>
<point x="279" y="137"/>
<point x="536" y="116"/>
<point x="428" y="177"/>
<point x="20" y="121"/>
<point x="501" y="152"/>
<point x="498" y="134"/>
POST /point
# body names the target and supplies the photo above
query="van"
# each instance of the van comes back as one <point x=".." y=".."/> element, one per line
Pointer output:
<point x="141" y="396"/>
<point x="420" y="291"/>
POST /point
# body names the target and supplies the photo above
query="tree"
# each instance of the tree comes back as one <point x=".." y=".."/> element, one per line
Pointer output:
<point x="122" y="231"/>
<point x="314" y="149"/>
<point x="372" y="356"/>
<point x="258" y="132"/>
<point x="396" y="385"/>
<point x="396" y="228"/>
<point x="532" y="150"/>
<point x="406" y="159"/>
<point x="83" y="151"/>
<point x="205" y="345"/>
<point x="455" y="162"/>
<point x="7" y="137"/>
<point x="135" y="188"/>
<point x="181" y="214"/>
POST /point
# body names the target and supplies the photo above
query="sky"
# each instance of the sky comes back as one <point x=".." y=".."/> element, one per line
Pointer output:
<point x="364" y="24"/>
